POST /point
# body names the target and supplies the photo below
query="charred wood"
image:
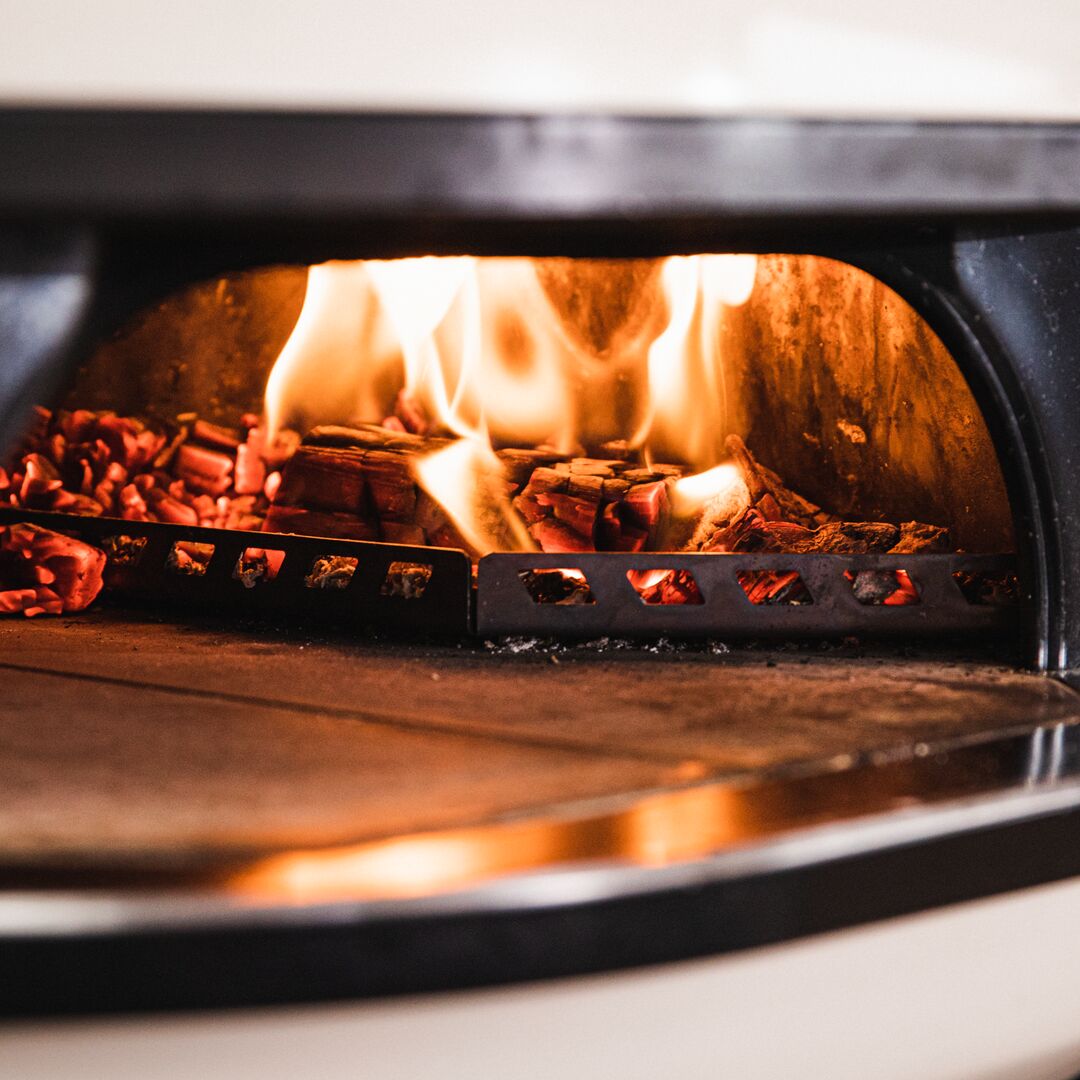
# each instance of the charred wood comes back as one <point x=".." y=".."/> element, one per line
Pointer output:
<point x="364" y="477"/>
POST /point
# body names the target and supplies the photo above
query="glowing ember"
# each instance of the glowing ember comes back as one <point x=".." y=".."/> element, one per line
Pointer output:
<point x="45" y="573"/>
<point x="662" y="586"/>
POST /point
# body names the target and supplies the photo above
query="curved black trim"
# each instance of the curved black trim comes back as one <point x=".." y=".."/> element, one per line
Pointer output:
<point x="359" y="958"/>
<point x="925" y="276"/>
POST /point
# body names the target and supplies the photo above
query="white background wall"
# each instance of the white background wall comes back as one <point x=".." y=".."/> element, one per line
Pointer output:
<point x="932" y="58"/>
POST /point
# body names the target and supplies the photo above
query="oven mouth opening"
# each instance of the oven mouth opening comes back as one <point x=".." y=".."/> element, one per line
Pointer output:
<point x="733" y="445"/>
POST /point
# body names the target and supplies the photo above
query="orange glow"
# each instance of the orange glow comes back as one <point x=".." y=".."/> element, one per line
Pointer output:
<point x="722" y="484"/>
<point x="313" y="380"/>
<point x="486" y="353"/>
<point x="415" y="295"/>
<point x="646" y="579"/>
<point x="657" y="830"/>
<point x="687" y="418"/>
<point x="906" y="592"/>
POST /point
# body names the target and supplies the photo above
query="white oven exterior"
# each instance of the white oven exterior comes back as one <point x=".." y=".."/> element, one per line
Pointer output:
<point x="982" y="990"/>
<point x="969" y="59"/>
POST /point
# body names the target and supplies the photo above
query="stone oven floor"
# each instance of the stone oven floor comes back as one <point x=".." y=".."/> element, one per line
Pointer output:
<point x="130" y="741"/>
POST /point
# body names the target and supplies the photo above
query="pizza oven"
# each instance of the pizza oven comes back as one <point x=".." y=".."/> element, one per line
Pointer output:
<point x="519" y="531"/>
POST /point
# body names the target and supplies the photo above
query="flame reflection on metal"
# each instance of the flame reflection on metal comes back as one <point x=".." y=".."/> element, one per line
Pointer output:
<point x="676" y="827"/>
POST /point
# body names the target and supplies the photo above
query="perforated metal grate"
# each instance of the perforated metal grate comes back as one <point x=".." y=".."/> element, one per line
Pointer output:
<point x="373" y="592"/>
<point x="430" y="590"/>
<point x="505" y="606"/>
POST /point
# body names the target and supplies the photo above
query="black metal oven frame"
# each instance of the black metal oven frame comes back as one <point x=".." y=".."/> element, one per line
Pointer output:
<point x="976" y="225"/>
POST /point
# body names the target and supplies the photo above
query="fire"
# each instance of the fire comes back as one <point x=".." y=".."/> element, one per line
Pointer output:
<point x="416" y="295"/>
<point x="466" y="478"/>
<point x="722" y="485"/>
<point x="315" y="379"/>
<point x="687" y="419"/>
<point x="493" y="353"/>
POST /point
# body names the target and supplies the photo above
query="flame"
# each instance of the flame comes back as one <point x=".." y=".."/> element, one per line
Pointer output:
<point x="646" y="579"/>
<point x="312" y="381"/>
<point x="688" y="419"/>
<point x="484" y="351"/>
<point x="416" y="295"/>
<point x="466" y="479"/>
<point x="721" y="484"/>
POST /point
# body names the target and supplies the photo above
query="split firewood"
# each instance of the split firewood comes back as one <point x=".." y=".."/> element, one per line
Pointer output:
<point x="752" y="532"/>
<point x="917" y="538"/>
<point x="769" y="494"/>
<point x="594" y="504"/>
<point x="761" y="491"/>
<point x="781" y="521"/>
<point x="364" y="476"/>
<point x="360" y="482"/>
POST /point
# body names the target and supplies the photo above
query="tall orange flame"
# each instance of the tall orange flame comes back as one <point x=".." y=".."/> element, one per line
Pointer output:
<point x="687" y="418"/>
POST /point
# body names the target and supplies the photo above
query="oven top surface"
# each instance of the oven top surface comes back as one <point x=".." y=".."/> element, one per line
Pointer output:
<point x="188" y="788"/>
<point x="130" y="742"/>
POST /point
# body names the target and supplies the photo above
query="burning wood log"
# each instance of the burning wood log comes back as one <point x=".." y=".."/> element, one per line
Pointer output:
<point x="591" y="504"/>
<point x="769" y="494"/>
<point x="779" y="521"/>
<point x="361" y="483"/>
<point x="358" y="483"/>
<point x="751" y="532"/>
